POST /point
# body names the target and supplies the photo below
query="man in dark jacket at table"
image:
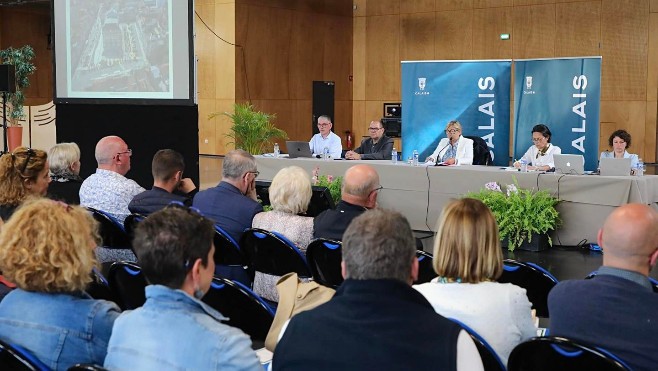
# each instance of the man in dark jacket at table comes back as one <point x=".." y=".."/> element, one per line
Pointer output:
<point x="377" y="147"/>
<point x="168" y="184"/>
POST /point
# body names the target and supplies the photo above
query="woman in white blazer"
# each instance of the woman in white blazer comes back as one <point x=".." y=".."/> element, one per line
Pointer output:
<point x="455" y="149"/>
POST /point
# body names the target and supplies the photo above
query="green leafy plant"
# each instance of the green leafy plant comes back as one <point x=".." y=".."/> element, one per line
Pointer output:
<point x="520" y="213"/>
<point x="251" y="130"/>
<point x="21" y="59"/>
<point x="333" y="183"/>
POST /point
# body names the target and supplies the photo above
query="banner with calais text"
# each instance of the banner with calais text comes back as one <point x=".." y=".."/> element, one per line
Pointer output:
<point x="565" y="95"/>
<point x="475" y="93"/>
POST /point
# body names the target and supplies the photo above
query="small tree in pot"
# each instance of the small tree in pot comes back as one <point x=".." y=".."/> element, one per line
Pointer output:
<point x="21" y="59"/>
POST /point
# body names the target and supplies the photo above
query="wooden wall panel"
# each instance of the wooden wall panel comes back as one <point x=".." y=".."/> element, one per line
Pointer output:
<point x="653" y="6"/>
<point x="478" y="4"/>
<point x="650" y="132"/>
<point x="337" y="61"/>
<point x="454" y="35"/>
<point x="383" y="7"/>
<point x="652" y="60"/>
<point x="534" y="31"/>
<point x="358" y="121"/>
<point x="383" y="63"/>
<point x="624" y="34"/>
<point x="305" y="53"/>
<point x="488" y="24"/>
<point x="520" y="3"/>
<point x="417" y="32"/>
<point x="416" y="6"/>
<point x="578" y="29"/>
<point x="205" y="51"/>
<point x="359" y="59"/>
<point x="442" y="5"/>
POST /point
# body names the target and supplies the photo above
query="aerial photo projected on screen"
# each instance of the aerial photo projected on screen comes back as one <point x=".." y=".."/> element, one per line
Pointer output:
<point x="120" y="48"/>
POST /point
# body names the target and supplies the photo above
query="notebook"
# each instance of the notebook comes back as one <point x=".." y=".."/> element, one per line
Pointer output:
<point x="298" y="149"/>
<point x="569" y="164"/>
<point x="615" y="166"/>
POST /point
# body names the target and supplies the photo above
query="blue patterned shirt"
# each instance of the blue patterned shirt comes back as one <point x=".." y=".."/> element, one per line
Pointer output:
<point x="110" y="192"/>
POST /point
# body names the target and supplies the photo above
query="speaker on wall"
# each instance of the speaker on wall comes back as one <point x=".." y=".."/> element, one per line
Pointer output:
<point x="7" y="78"/>
<point x="323" y="102"/>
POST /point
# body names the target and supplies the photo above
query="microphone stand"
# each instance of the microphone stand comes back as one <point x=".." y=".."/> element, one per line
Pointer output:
<point x="436" y="161"/>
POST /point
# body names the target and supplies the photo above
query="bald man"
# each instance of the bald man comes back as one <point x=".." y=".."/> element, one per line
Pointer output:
<point x="359" y="193"/>
<point x="617" y="309"/>
<point x="108" y="189"/>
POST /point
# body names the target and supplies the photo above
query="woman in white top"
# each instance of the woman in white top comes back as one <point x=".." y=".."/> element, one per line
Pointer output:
<point x="468" y="260"/>
<point x="540" y="155"/>
<point x="455" y="149"/>
<point x="620" y="141"/>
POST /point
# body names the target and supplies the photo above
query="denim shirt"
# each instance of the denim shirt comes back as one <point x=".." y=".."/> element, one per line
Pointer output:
<point x="172" y="330"/>
<point x="59" y="329"/>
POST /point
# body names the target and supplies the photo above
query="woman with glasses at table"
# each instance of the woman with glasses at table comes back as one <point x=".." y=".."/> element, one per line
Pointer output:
<point x="23" y="173"/>
<point x="454" y="149"/>
<point x="540" y="155"/>
<point x="468" y="260"/>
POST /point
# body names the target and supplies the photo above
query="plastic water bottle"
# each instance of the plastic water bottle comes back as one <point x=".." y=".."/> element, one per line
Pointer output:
<point x="524" y="165"/>
<point x="415" y="159"/>
<point x="325" y="154"/>
<point x="277" y="151"/>
<point x="394" y="156"/>
<point x="639" y="169"/>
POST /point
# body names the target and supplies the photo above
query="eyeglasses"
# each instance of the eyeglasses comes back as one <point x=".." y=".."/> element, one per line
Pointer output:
<point x="30" y="153"/>
<point x="128" y="152"/>
<point x="377" y="189"/>
<point x="324" y="124"/>
<point x="537" y="139"/>
<point x="374" y="129"/>
<point x="452" y="131"/>
<point x="256" y="173"/>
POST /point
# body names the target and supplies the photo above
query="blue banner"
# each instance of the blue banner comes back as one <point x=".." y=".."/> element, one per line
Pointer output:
<point x="563" y="94"/>
<point x="476" y="93"/>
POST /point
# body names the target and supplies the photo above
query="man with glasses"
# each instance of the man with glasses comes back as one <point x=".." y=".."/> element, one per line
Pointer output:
<point x="359" y="193"/>
<point x="232" y="203"/>
<point x="108" y="189"/>
<point x="377" y="147"/>
<point x="325" y="139"/>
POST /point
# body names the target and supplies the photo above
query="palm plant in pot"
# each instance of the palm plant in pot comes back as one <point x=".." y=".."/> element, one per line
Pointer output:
<point x="524" y="216"/>
<point x="21" y="59"/>
<point x="252" y="130"/>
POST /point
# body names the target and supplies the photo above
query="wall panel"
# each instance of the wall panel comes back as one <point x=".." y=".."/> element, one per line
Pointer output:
<point x="578" y="29"/>
<point x="442" y="5"/>
<point x="454" y="35"/>
<point x="383" y="63"/>
<point x="417" y="32"/>
<point x="534" y="31"/>
<point x="488" y="24"/>
<point x="416" y="6"/>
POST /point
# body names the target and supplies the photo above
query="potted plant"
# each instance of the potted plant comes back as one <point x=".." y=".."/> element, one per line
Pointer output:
<point x="21" y="59"/>
<point x="333" y="183"/>
<point x="524" y="216"/>
<point x="251" y="129"/>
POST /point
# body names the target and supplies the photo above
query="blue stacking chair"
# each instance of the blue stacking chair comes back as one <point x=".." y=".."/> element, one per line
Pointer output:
<point x="559" y="353"/>
<point x="112" y="233"/>
<point x="324" y="257"/>
<point x="127" y="283"/>
<point x="271" y="253"/>
<point x="425" y="268"/>
<point x="14" y="357"/>
<point x="230" y="262"/>
<point x="537" y="281"/>
<point x="490" y="359"/>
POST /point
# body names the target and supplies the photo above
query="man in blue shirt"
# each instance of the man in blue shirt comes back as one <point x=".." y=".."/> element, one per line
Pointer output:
<point x="617" y="309"/>
<point x="326" y="139"/>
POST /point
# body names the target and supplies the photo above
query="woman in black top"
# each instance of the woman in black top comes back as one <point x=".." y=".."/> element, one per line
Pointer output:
<point x="64" y="159"/>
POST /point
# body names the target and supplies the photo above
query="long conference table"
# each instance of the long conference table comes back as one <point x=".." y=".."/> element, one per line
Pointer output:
<point x="420" y="192"/>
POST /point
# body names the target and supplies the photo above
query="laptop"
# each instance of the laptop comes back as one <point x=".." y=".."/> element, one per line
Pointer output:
<point x="615" y="166"/>
<point x="298" y="149"/>
<point x="569" y="164"/>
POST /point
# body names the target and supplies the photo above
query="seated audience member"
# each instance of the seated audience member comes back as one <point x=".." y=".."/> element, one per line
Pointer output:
<point x="168" y="184"/>
<point x="64" y="160"/>
<point x="174" y="329"/>
<point x="469" y="260"/>
<point x="326" y="139"/>
<point x="108" y="189"/>
<point x="454" y="149"/>
<point x="232" y="203"/>
<point x="358" y="194"/>
<point x="376" y="321"/>
<point x="23" y="173"/>
<point x="46" y="249"/>
<point x="377" y="147"/>
<point x="540" y="155"/>
<point x="290" y="194"/>
<point x="620" y="141"/>
<point x="616" y="310"/>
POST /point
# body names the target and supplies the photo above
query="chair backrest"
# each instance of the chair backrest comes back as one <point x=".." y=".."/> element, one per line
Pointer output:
<point x="324" y="257"/>
<point x="653" y="281"/>
<point x="130" y="223"/>
<point x="99" y="288"/>
<point x="490" y="359"/>
<point x="112" y="233"/>
<point x="86" y="367"/>
<point x="271" y="253"/>
<point x="227" y="250"/>
<point x="244" y="308"/>
<point x="481" y="154"/>
<point x="14" y="357"/>
<point x="127" y="284"/>
<point x="425" y="268"/>
<point x="537" y="281"/>
<point x="558" y="353"/>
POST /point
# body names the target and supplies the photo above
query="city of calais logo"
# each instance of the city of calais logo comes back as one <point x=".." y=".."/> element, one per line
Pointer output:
<point x="528" y="85"/>
<point x="421" y="85"/>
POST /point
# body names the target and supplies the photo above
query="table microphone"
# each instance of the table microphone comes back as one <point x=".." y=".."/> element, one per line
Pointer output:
<point x="436" y="161"/>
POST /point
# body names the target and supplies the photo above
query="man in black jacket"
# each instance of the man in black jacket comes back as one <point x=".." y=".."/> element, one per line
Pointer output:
<point x="168" y="184"/>
<point x="377" y="147"/>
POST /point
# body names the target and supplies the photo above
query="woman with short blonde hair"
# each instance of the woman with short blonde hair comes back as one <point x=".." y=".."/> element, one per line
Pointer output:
<point x="290" y="194"/>
<point x="47" y="250"/>
<point x="454" y="149"/>
<point x="65" y="173"/>
<point x="468" y="260"/>
<point x="24" y="172"/>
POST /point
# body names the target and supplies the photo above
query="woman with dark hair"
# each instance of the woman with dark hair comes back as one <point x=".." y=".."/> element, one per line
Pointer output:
<point x="23" y="173"/>
<point x="540" y="155"/>
<point x="620" y="141"/>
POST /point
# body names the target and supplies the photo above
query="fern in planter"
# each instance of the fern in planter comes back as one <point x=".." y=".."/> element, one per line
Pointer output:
<point x="252" y="130"/>
<point x="520" y="213"/>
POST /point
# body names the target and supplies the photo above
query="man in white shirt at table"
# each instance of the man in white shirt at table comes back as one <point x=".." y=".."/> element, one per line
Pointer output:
<point x="326" y="139"/>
